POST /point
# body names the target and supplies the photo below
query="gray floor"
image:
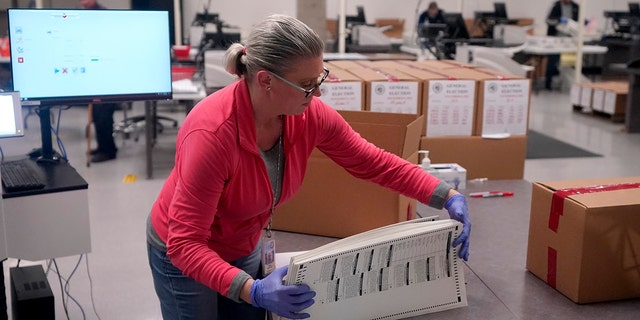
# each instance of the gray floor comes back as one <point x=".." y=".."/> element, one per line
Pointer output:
<point x="114" y="281"/>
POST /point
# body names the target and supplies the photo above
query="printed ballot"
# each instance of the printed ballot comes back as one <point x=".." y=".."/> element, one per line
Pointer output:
<point x="393" y="272"/>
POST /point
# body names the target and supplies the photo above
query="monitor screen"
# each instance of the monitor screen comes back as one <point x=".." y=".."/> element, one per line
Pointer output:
<point x="11" y="124"/>
<point x="456" y="28"/>
<point x="66" y="56"/>
<point x="634" y="9"/>
<point x="500" y="10"/>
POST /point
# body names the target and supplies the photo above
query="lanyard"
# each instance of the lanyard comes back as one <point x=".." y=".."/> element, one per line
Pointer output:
<point x="278" y="186"/>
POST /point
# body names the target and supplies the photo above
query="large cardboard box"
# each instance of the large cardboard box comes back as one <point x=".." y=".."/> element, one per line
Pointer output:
<point x="342" y="90"/>
<point x="447" y="103"/>
<point x="333" y="203"/>
<point x="584" y="238"/>
<point x="389" y="90"/>
<point x="501" y="159"/>
<point x="502" y="105"/>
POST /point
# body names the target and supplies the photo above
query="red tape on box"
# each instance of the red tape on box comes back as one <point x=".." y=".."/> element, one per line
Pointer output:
<point x="552" y="264"/>
<point x="557" y="210"/>
<point x="557" y="201"/>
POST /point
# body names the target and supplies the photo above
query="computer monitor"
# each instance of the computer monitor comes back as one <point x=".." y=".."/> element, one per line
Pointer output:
<point x="68" y="56"/>
<point x="500" y="10"/>
<point x="11" y="124"/>
<point x="456" y="28"/>
<point x="432" y="31"/>
<point x="358" y="19"/>
<point x="634" y="9"/>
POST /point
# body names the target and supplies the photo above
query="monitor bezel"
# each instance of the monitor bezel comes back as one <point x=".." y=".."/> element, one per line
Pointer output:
<point x="91" y="98"/>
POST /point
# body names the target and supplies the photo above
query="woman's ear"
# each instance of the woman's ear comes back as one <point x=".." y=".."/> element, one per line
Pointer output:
<point x="264" y="79"/>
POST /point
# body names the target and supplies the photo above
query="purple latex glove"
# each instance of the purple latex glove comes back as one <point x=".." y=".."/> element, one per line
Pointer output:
<point x="287" y="301"/>
<point x="457" y="207"/>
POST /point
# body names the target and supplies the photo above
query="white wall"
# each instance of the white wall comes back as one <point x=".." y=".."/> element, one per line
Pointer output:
<point x="245" y="13"/>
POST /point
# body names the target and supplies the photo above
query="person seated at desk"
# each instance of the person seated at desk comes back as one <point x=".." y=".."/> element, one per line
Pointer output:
<point x="433" y="14"/>
<point x="560" y="12"/>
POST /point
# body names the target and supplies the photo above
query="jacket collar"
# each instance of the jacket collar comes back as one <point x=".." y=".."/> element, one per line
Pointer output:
<point x="246" y="122"/>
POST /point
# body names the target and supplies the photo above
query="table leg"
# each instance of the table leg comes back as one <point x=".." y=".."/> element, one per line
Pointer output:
<point x="149" y="119"/>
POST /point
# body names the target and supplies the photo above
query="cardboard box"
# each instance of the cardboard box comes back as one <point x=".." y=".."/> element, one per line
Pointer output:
<point x="389" y="90"/>
<point x="503" y="101"/>
<point x="342" y="90"/>
<point x="584" y="240"/>
<point x="586" y="93"/>
<point x="483" y="158"/>
<point x="333" y="203"/>
<point x="576" y="94"/>
<point x="448" y="103"/>
<point x="615" y="101"/>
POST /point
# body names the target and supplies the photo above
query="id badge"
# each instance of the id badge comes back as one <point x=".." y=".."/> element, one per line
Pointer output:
<point x="268" y="255"/>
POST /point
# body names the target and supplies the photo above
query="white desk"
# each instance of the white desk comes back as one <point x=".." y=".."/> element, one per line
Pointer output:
<point x="51" y="222"/>
<point x="539" y="47"/>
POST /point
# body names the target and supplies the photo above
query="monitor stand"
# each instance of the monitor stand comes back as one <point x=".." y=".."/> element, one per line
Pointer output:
<point x="46" y="154"/>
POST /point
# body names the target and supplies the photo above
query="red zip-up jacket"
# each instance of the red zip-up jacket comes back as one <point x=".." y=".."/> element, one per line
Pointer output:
<point x="218" y="197"/>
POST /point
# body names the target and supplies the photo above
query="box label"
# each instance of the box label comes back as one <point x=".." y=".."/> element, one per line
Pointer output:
<point x="585" y="97"/>
<point x="598" y="100"/>
<point x="394" y="97"/>
<point x="575" y="94"/>
<point x="342" y="95"/>
<point x="505" y="107"/>
<point x="609" y="102"/>
<point x="450" y="107"/>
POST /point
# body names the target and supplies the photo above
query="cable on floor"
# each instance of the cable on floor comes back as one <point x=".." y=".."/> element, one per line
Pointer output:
<point x="93" y="304"/>
<point x="66" y="294"/>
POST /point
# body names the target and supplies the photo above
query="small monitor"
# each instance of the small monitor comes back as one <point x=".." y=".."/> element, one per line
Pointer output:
<point x="500" y="10"/>
<point x="360" y="10"/>
<point x="456" y="28"/>
<point x="11" y="124"/>
<point x="634" y="9"/>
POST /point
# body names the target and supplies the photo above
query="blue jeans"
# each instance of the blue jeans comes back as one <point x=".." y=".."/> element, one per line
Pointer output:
<point x="183" y="298"/>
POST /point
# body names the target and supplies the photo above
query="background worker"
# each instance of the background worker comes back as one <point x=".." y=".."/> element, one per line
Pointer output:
<point x="433" y="14"/>
<point x="561" y="11"/>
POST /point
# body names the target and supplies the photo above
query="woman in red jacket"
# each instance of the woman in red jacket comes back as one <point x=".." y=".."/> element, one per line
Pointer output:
<point x="243" y="151"/>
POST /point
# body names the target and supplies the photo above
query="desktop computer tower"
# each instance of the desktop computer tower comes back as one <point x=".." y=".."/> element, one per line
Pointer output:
<point x="31" y="295"/>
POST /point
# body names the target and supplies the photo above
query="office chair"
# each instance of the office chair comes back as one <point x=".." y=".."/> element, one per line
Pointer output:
<point x="135" y="124"/>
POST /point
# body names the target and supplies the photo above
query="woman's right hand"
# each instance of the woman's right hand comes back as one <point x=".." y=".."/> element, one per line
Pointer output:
<point x="286" y="301"/>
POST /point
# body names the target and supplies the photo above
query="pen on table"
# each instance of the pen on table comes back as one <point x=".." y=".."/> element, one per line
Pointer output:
<point x="491" y="194"/>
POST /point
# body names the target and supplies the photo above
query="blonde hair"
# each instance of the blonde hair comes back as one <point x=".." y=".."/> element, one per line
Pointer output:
<point x="272" y="45"/>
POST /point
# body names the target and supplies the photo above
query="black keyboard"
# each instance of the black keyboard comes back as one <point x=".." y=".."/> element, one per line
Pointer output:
<point x="18" y="176"/>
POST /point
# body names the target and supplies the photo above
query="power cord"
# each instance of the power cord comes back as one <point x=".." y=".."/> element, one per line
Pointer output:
<point x="93" y="304"/>
<point x="58" y="139"/>
<point x="65" y="289"/>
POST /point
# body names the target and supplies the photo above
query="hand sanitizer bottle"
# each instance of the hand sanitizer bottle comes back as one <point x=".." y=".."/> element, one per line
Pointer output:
<point x="426" y="162"/>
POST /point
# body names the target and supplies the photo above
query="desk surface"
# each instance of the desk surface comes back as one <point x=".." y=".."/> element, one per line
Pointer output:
<point x="498" y="284"/>
<point x="58" y="177"/>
